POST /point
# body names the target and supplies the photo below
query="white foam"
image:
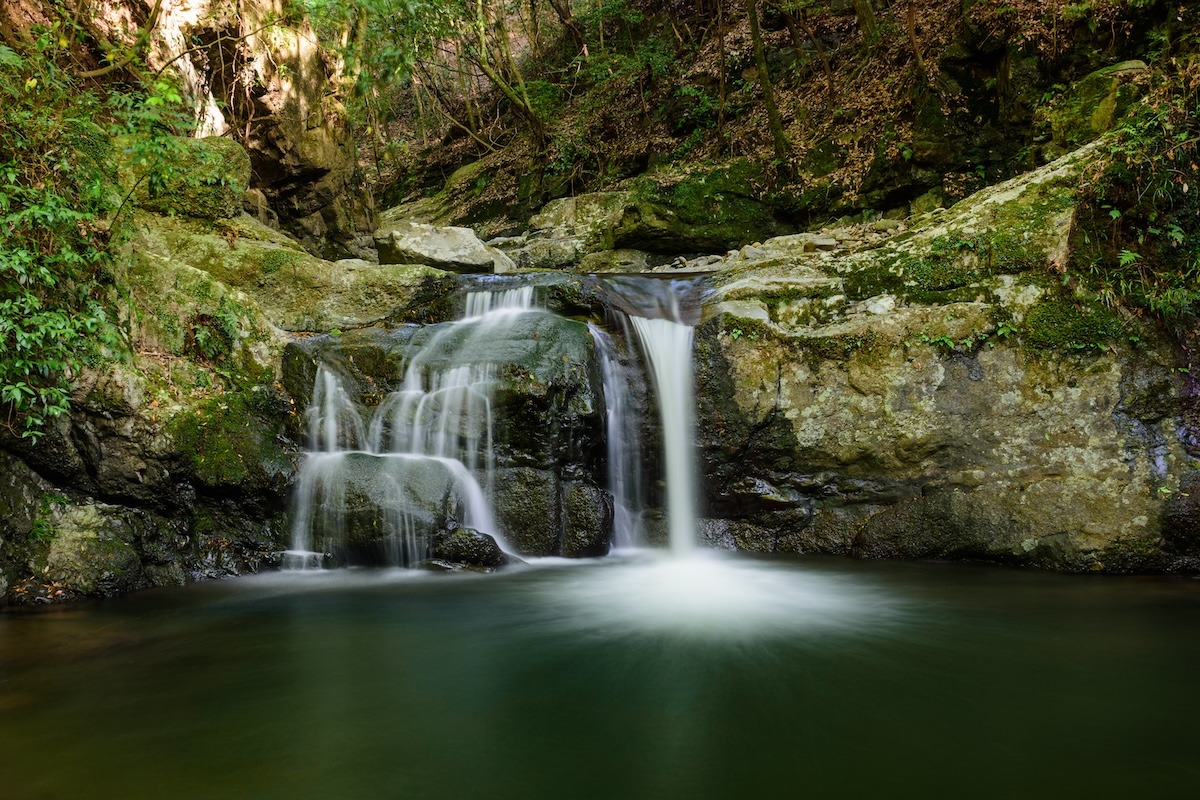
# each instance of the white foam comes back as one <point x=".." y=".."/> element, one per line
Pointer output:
<point x="710" y="595"/>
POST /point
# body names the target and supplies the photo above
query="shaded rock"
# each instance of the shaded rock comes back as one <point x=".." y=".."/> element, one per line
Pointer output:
<point x="92" y="552"/>
<point x="527" y="510"/>
<point x="378" y="509"/>
<point x="587" y="520"/>
<point x="1096" y="103"/>
<point x="468" y="547"/>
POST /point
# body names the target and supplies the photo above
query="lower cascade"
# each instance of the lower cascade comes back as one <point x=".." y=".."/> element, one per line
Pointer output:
<point x="411" y="433"/>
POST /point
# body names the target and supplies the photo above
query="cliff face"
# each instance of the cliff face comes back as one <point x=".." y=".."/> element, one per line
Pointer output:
<point x="937" y="394"/>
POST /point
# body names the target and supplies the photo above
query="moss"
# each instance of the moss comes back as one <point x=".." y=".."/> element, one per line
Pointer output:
<point x="274" y="260"/>
<point x="1059" y="325"/>
<point x="205" y="179"/>
<point x="711" y="211"/>
<point x="224" y="441"/>
<point x="1132" y="554"/>
<point x="868" y="344"/>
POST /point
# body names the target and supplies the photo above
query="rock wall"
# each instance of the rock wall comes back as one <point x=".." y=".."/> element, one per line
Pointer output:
<point x="177" y="460"/>
<point x="934" y="392"/>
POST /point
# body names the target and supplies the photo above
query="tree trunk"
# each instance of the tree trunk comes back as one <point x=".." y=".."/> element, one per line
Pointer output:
<point x="515" y="95"/>
<point x="782" y="147"/>
<point x="912" y="39"/>
<point x="865" y="11"/>
<point x="563" y="9"/>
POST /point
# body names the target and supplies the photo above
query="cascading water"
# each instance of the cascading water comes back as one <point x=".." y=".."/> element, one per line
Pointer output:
<point x="668" y="347"/>
<point x="622" y="432"/>
<point x="654" y="311"/>
<point x="416" y="462"/>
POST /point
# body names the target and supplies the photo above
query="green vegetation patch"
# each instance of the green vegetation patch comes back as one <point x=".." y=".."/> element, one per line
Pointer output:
<point x="231" y="440"/>
<point x="1060" y="325"/>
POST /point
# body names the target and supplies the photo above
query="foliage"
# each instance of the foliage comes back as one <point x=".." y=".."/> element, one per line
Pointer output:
<point x="60" y="218"/>
<point x="1142" y="245"/>
<point x="56" y="184"/>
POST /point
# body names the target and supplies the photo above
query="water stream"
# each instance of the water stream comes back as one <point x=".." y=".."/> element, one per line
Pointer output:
<point x="419" y="458"/>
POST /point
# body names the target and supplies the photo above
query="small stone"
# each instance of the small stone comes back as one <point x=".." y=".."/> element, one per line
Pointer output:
<point x="883" y="304"/>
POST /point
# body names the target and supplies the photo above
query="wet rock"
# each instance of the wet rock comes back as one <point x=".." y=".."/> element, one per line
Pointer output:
<point x="374" y="509"/>
<point x="587" y="520"/>
<point x="467" y="547"/>
<point x="527" y="510"/>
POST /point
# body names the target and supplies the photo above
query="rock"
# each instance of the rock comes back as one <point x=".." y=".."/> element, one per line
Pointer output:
<point x="449" y="248"/>
<point x="1094" y="104"/>
<point x="743" y="309"/>
<point x="882" y="304"/>
<point x="467" y="547"/>
<point x="362" y="501"/>
<point x="208" y="178"/>
<point x="176" y="262"/>
<point x="527" y="510"/>
<point x="92" y="552"/>
<point x="615" y="261"/>
<point x="587" y="520"/>
<point x="882" y="410"/>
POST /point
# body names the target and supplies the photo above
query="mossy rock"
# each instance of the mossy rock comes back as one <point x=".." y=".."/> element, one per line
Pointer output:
<point x="1095" y="104"/>
<point x="705" y="211"/>
<point x="1065" y="326"/>
<point x="199" y="178"/>
<point x="293" y="290"/>
<point x="92" y="551"/>
<point x="234" y="441"/>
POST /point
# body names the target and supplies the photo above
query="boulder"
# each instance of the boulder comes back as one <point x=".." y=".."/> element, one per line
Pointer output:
<point x="92" y="551"/>
<point x="467" y="547"/>
<point x="201" y="178"/>
<point x="1094" y="104"/>
<point x="527" y="510"/>
<point x="175" y="262"/>
<point x="450" y="248"/>
<point x="376" y="509"/>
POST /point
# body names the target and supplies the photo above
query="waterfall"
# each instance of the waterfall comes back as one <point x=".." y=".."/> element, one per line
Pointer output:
<point x="660" y="320"/>
<point x="418" y="458"/>
<point x="668" y="347"/>
<point x="622" y="433"/>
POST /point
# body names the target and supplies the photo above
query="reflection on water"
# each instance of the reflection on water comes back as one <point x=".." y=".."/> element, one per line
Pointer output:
<point x="637" y="677"/>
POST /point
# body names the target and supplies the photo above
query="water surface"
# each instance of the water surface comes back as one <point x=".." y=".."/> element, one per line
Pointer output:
<point x="630" y="677"/>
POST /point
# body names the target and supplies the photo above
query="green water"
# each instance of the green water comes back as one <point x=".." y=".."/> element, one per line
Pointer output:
<point x="798" y="679"/>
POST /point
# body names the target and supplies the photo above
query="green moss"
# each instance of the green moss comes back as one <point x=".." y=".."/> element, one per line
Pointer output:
<point x="204" y="178"/>
<point x="1059" y="325"/>
<point x="274" y="260"/>
<point x="868" y="344"/>
<point x="224" y="441"/>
